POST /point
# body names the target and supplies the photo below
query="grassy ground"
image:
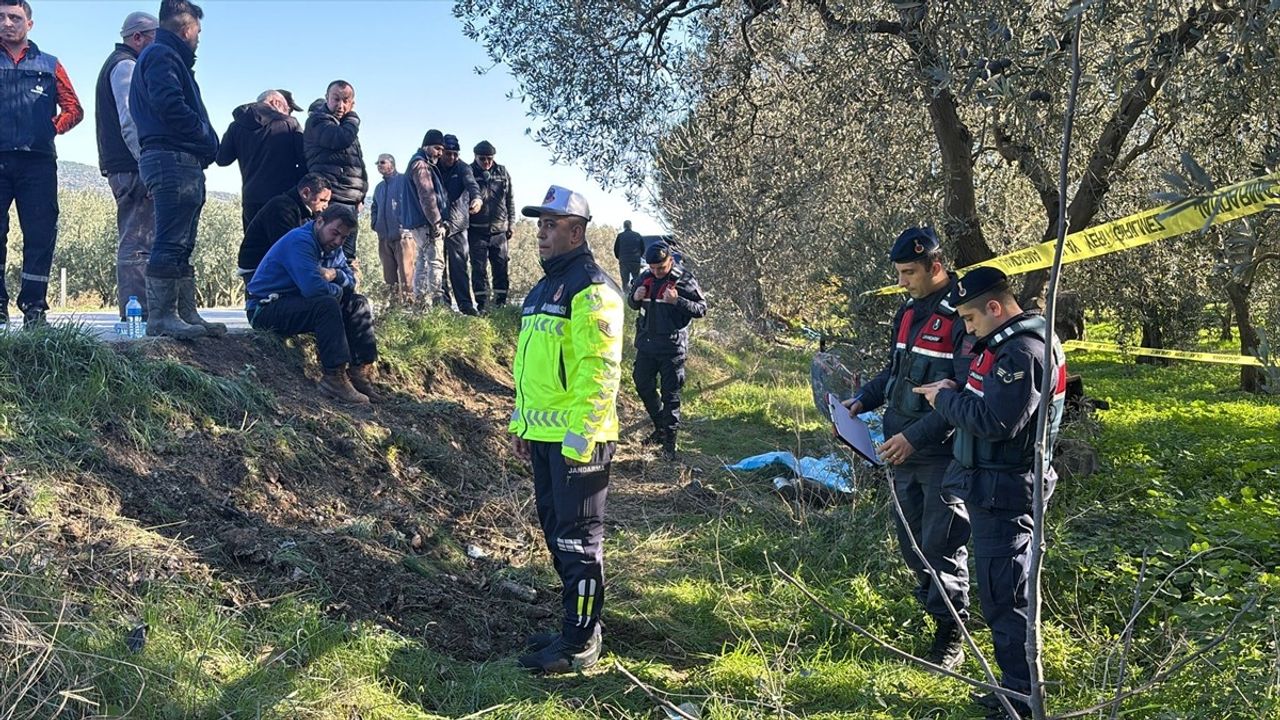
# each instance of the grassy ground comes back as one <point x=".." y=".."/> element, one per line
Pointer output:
<point x="1188" y="482"/>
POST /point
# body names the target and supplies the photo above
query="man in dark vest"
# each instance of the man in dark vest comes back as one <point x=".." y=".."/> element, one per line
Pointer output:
<point x="178" y="143"/>
<point x="37" y="103"/>
<point x="994" y="414"/>
<point x="928" y="345"/>
<point x="118" y="153"/>
<point x="490" y="229"/>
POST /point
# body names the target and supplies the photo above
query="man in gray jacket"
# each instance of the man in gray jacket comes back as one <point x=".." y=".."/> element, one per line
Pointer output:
<point x="118" y="153"/>
<point x="397" y="247"/>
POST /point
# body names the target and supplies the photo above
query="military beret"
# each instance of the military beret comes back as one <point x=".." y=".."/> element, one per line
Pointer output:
<point x="433" y="137"/>
<point x="657" y="253"/>
<point x="451" y="143"/>
<point x="913" y="244"/>
<point x="484" y="147"/>
<point x="977" y="282"/>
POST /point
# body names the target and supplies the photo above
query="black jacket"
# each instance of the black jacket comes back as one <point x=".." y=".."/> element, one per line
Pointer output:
<point x="332" y="149"/>
<point x="165" y="100"/>
<point x="499" y="209"/>
<point x="268" y="145"/>
<point x="629" y="246"/>
<point x="281" y="214"/>
<point x="663" y="328"/>
<point x="461" y="187"/>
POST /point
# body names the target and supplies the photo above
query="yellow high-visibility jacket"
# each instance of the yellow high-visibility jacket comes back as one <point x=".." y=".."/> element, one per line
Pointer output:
<point x="569" y="357"/>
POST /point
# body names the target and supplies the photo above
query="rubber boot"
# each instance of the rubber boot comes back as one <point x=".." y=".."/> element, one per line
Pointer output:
<point x="359" y="376"/>
<point x="162" y="310"/>
<point x="187" y="309"/>
<point x="336" y="385"/>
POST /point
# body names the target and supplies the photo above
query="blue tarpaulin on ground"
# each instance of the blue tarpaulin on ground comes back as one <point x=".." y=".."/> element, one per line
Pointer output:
<point x="831" y="471"/>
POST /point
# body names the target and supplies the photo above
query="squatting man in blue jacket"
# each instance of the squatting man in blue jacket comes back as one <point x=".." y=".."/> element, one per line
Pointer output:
<point x="994" y="415"/>
<point x="668" y="299"/>
<point x="305" y="285"/>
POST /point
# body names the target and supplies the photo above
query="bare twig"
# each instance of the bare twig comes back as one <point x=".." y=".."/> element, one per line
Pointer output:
<point x="1168" y="673"/>
<point x="1128" y="633"/>
<point x="883" y="645"/>
<point x="1048" y="386"/>
<point x="666" y="704"/>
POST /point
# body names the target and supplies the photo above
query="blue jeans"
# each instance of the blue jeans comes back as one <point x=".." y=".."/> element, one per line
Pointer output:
<point x="176" y="183"/>
<point x="30" y="180"/>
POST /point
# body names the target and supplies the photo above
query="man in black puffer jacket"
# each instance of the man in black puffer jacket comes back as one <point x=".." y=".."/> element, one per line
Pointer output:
<point x="668" y="298"/>
<point x="331" y="141"/>
<point x="267" y="142"/>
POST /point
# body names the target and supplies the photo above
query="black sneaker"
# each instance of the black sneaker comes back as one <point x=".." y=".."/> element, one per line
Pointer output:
<point x="669" y="444"/>
<point x="996" y="711"/>
<point x="560" y="657"/>
<point x="34" y="318"/>
<point x="654" y="438"/>
<point x="947" y="650"/>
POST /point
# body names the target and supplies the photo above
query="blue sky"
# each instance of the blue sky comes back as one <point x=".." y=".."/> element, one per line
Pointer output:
<point x="410" y="64"/>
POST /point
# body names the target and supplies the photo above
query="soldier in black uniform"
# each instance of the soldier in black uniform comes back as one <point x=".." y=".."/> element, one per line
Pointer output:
<point x="668" y="299"/>
<point x="995" y="420"/>
<point x="929" y="345"/>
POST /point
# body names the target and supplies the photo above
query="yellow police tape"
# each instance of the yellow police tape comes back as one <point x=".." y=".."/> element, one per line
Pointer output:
<point x="1163" y="353"/>
<point x="1230" y="203"/>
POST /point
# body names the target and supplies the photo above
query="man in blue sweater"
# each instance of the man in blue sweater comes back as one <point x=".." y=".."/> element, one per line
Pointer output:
<point x="178" y="143"/>
<point x="305" y="285"/>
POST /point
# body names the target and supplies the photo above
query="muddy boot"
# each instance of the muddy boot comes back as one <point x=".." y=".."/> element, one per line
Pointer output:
<point x="336" y="385"/>
<point x="562" y="657"/>
<point x="162" y="311"/>
<point x="359" y="376"/>
<point x="948" y="646"/>
<point x="187" y="309"/>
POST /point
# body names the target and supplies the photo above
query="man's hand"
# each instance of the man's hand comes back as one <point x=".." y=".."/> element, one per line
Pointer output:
<point x="640" y="294"/>
<point x="853" y="405"/>
<point x="476" y="205"/>
<point x="510" y="232"/>
<point x="521" y="448"/>
<point x="670" y="296"/>
<point x="359" y="207"/>
<point x="930" y="391"/>
<point x="329" y="274"/>
<point x="895" y="450"/>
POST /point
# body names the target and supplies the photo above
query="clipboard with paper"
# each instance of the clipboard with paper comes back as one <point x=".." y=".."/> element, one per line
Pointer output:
<point x="852" y="431"/>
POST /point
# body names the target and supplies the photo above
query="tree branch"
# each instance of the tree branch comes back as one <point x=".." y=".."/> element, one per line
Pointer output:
<point x="1033" y="170"/>
<point x="839" y="24"/>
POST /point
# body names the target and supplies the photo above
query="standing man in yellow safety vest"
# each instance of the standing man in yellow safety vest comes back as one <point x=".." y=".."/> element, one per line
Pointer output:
<point x="567" y="370"/>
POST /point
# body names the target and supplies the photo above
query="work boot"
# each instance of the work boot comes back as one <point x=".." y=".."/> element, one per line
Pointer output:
<point x="162" y="308"/>
<point x="561" y="657"/>
<point x="669" y="444"/>
<point x="33" y="318"/>
<point x="947" y="650"/>
<point x="359" y="376"/>
<point x="654" y="438"/>
<point x="996" y="711"/>
<point x="537" y="641"/>
<point x="187" y="309"/>
<point x="336" y="385"/>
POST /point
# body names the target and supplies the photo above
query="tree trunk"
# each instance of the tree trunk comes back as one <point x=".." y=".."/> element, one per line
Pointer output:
<point x="1152" y="337"/>
<point x="1250" y="377"/>
<point x="1227" y="319"/>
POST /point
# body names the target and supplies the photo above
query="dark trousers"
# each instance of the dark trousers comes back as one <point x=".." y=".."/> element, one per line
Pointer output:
<point x="489" y="249"/>
<point x="30" y="180"/>
<point x="664" y="410"/>
<point x="457" y="259"/>
<point x="248" y="210"/>
<point x="940" y="524"/>
<point x="628" y="271"/>
<point x="570" y="502"/>
<point x="343" y="327"/>
<point x="136" y="224"/>
<point x="1002" y="549"/>
<point x="349" y="245"/>
<point x="176" y="183"/>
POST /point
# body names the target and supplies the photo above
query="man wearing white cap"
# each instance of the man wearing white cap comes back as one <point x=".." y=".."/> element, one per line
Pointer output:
<point x="118" y="153"/>
<point x="567" y="370"/>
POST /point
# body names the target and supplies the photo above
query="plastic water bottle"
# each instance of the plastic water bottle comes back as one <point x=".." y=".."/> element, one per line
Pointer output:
<point x="134" y="327"/>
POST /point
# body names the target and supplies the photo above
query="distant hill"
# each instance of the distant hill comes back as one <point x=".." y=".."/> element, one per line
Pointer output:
<point x="78" y="176"/>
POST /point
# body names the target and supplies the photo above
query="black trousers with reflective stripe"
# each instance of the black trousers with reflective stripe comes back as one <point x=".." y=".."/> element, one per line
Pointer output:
<point x="663" y="409"/>
<point x="570" y="502"/>
<point x="939" y="522"/>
